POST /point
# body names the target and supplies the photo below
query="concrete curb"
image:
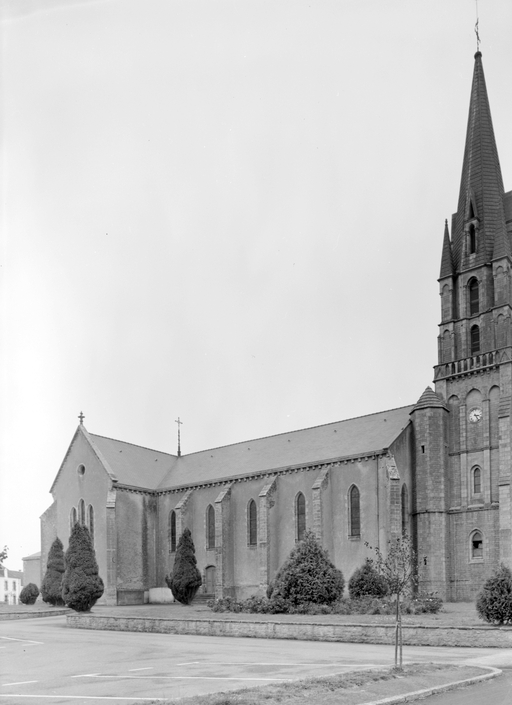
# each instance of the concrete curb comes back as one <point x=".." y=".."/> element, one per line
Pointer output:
<point x="4" y="616"/>
<point x="426" y="692"/>
<point x="305" y="631"/>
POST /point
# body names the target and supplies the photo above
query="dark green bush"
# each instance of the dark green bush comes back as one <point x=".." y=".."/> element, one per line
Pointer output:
<point x="29" y="594"/>
<point x="367" y="581"/>
<point x="308" y="576"/>
<point x="51" y="588"/>
<point x="81" y="584"/>
<point x="494" y="602"/>
<point x="185" y="579"/>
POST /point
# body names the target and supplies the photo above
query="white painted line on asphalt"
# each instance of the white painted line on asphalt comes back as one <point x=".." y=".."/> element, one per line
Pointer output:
<point x="186" y="678"/>
<point x="83" y="697"/>
<point x="17" y="683"/>
<point x="147" y="668"/>
<point x="29" y="642"/>
<point x="86" y="675"/>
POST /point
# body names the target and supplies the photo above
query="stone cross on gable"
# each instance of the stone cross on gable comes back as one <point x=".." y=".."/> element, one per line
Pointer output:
<point x="180" y="423"/>
<point x="81" y="417"/>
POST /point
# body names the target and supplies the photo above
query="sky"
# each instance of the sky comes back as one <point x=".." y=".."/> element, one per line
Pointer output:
<point x="225" y="211"/>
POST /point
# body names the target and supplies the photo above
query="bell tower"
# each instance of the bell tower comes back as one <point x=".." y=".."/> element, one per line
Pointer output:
<point x="473" y="376"/>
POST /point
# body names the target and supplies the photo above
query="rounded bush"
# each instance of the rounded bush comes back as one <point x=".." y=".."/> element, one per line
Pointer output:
<point x="308" y="576"/>
<point x="494" y="602"/>
<point x="29" y="594"/>
<point x="367" y="581"/>
<point x="81" y="584"/>
<point x="185" y="579"/>
<point x="51" y="588"/>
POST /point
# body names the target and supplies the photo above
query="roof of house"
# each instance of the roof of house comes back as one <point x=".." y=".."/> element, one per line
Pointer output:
<point x="32" y="557"/>
<point x="136" y="466"/>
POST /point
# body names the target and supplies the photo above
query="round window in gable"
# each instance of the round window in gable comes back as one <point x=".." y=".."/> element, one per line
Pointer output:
<point x="81" y="470"/>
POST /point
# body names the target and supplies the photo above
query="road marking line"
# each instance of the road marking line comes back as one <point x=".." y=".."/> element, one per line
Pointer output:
<point x="147" y="668"/>
<point x="84" y="697"/>
<point x="30" y="642"/>
<point x="18" y="683"/>
<point x="86" y="675"/>
<point x="179" y="678"/>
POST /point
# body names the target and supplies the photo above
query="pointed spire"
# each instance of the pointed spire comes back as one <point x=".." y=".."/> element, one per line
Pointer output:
<point x="447" y="268"/>
<point x="481" y="187"/>
<point x="428" y="400"/>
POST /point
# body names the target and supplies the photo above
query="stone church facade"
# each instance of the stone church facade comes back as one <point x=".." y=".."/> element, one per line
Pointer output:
<point x="437" y="470"/>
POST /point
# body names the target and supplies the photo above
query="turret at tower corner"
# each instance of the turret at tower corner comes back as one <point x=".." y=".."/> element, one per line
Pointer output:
<point x="437" y="470"/>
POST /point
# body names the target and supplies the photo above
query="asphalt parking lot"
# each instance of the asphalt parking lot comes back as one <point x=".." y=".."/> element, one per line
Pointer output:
<point x="43" y="661"/>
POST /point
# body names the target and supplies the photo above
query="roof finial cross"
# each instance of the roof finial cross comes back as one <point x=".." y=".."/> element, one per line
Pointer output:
<point x="180" y="423"/>
<point x="81" y="417"/>
<point x="476" y="28"/>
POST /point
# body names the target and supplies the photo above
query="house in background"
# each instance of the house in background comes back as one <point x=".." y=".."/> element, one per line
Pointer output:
<point x="10" y="585"/>
<point x="32" y="569"/>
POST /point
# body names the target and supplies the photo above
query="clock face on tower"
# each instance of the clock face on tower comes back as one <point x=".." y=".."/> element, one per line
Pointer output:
<point x="475" y="415"/>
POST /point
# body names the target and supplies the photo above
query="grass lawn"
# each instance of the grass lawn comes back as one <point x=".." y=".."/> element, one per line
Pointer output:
<point x="346" y="689"/>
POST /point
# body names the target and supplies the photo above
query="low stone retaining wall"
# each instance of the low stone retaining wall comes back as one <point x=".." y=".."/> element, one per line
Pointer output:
<point x="499" y="637"/>
<point x="33" y="614"/>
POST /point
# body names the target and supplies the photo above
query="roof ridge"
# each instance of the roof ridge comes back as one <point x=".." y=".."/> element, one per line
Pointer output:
<point x="297" y="430"/>
<point x="135" y="445"/>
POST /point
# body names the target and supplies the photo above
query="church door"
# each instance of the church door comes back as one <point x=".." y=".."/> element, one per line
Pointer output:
<point x="209" y="579"/>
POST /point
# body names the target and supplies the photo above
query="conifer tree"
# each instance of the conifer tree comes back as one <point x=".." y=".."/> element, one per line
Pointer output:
<point x="186" y="578"/>
<point x="308" y="576"/>
<point x="51" y="588"/>
<point x="81" y="584"/>
<point x="494" y="602"/>
<point x="29" y="594"/>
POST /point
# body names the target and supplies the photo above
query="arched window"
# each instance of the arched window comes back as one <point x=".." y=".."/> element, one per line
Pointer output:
<point x="172" y="531"/>
<point x="405" y="510"/>
<point x="354" y="512"/>
<point x="90" y="521"/>
<point x="300" y="516"/>
<point x="73" y="518"/>
<point x="477" y="546"/>
<point x="81" y="512"/>
<point x="252" y="524"/>
<point x="474" y="297"/>
<point x="477" y="481"/>
<point x="475" y="340"/>
<point x="210" y="527"/>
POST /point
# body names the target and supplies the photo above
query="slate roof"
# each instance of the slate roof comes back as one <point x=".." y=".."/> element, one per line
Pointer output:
<point x="481" y="180"/>
<point x="136" y="466"/>
<point x="447" y="257"/>
<point x="428" y="400"/>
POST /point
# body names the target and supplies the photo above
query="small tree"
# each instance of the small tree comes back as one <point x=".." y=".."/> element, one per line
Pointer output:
<point x="367" y="581"/>
<point x="3" y="554"/>
<point x="29" y="594"/>
<point x="494" y="602"/>
<point x="398" y="569"/>
<point x="308" y="576"/>
<point x="185" y="579"/>
<point x="51" y="588"/>
<point x="81" y="584"/>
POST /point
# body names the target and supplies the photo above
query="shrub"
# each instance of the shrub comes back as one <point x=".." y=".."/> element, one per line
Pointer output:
<point x="308" y="576"/>
<point x="29" y="594"/>
<point x="51" y="588"/>
<point x="494" y="602"/>
<point x="81" y="584"/>
<point x="367" y="581"/>
<point x="185" y="579"/>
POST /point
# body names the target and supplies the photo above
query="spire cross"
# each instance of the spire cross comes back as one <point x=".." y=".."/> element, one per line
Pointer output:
<point x="476" y="28"/>
<point x="180" y="423"/>
<point x="81" y="417"/>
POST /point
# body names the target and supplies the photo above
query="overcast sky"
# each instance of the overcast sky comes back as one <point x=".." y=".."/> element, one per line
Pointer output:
<point x="230" y="212"/>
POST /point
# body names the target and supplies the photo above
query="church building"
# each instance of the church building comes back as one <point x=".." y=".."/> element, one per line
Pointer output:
<point x="437" y="470"/>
